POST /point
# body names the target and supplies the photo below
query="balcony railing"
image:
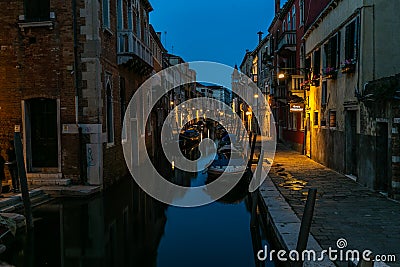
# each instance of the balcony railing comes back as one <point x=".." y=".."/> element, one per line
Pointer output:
<point x="297" y="83"/>
<point x="287" y="40"/>
<point x="129" y="45"/>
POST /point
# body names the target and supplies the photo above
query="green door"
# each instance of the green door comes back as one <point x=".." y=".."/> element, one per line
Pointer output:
<point x="43" y="132"/>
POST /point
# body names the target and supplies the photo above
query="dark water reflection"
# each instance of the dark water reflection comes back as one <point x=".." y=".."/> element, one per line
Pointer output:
<point x="126" y="227"/>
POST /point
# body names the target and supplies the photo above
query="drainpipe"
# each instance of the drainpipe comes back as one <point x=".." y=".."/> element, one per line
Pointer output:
<point x="359" y="49"/>
<point x="76" y="66"/>
<point x="74" y="26"/>
<point x="305" y="71"/>
<point x="373" y="43"/>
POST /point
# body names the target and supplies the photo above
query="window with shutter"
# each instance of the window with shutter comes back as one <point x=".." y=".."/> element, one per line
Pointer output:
<point x="308" y="67"/>
<point x="301" y="19"/>
<point x="106" y="14"/>
<point x="324" y="93"/>
<point x="120" y="15"/>
<point x="317" y="63"/>
<point x="37" y="10"/>
<point x="333" y="55"/>
<point x="332" y="118"/>
<point x="294" y="17"/>
<point x="316" y="118"/>
<point x="332" y="52"/>
<point x="327" y="49"/>
<point x="351" y="40"/>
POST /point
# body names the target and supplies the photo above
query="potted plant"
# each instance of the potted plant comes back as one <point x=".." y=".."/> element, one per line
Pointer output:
<point x="330" y="73"/>
<point x="315" y="80"/>
<point x="305" y="85"/>
<point x="349" y="65"/>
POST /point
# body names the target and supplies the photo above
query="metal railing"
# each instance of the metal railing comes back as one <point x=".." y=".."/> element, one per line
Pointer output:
<point x="288" y="38"/>
<point x="129" y="43"/>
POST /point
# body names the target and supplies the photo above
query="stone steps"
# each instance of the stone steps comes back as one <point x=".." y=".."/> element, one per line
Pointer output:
<point x="40" y="179"/>
<point x="41" y="175"/>
<point x="49" y="181"/>
<point x="15" y="203"/>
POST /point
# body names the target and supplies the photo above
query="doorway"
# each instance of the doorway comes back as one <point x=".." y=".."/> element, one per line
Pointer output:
<point x="382" y="142"/>
<point x="351" y="155"/>
<point x="42" y="134"/>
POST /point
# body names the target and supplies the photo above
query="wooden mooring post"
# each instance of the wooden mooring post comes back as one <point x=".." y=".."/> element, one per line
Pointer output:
<point x="253" y="145"/>
<point x="23" y="180"/>
<point x="305" y="226"/>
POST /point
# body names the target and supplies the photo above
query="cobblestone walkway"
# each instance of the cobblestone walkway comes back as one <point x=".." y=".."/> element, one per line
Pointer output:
<point x="344" y="209"/>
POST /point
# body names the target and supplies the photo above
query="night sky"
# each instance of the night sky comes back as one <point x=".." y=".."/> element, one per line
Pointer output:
<point x="211" y="30"/>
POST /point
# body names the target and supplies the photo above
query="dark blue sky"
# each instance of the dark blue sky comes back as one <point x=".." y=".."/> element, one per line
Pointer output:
<point x="211" y="30"/>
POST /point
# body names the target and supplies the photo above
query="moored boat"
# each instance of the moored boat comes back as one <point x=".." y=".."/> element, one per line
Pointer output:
<point x="228" y="160"/>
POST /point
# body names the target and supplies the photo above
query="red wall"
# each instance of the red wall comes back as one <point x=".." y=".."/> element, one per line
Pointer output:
<point x="294" y="136"/>
<point x="312" y="9"/>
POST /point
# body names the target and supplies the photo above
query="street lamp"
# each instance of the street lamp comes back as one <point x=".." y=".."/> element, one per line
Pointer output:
<point x="249" y="119"/>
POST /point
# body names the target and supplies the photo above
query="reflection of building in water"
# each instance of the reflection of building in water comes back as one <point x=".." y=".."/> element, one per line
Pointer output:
<point x="123" y="228"/>
<point x="148" y="227"/>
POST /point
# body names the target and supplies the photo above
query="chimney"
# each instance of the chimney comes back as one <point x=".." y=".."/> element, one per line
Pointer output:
<point x="159" y="35"/>
<point x="260" y="34"/>
<point x="277" y="6"/>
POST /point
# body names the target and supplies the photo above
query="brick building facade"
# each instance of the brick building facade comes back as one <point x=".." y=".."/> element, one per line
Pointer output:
<point x="68" y="71"/>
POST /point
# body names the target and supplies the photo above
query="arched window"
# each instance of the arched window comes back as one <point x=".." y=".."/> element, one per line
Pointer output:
<point x="110" y="112"/>
<point x="122" y="96"/>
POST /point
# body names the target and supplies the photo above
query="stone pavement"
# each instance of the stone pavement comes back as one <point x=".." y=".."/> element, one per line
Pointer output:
<point x="344" y="208"/>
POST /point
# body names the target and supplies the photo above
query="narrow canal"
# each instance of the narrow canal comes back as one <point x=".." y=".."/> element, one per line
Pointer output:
<point x="126" y="227"/>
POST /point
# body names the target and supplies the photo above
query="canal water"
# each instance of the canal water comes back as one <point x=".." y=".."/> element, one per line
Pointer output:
<point x="126" y="227"/>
